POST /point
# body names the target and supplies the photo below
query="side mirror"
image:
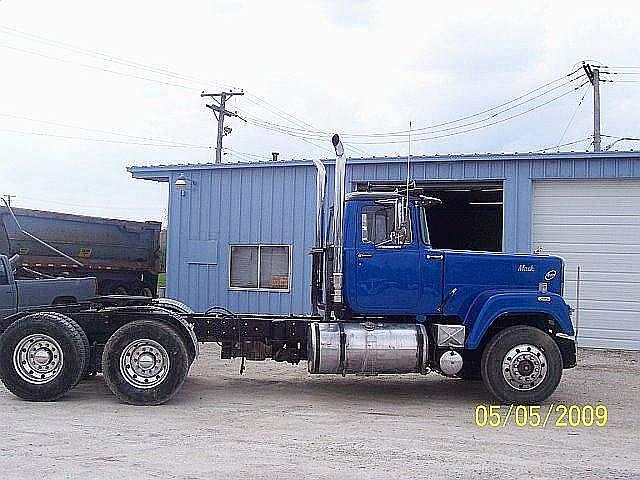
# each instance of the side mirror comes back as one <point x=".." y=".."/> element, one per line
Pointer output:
<point x="390" y="226"/>
<point x="401" y="228"/>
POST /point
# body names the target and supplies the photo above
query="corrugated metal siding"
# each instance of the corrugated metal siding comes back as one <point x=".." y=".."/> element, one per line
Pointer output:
<point x="239" y="206"/>
<point x="595" y="224"/>
<point x="275" y="203"/>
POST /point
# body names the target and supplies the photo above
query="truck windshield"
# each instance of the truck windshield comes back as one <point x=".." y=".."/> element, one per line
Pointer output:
<point x="424" y="228"/>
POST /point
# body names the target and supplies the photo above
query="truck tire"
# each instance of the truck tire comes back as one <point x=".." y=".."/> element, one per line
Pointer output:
<point x="85" y="341"/>
<point x="521" y="365"/>
<point x="42" y="356"/>
<point x="145" y="362"/>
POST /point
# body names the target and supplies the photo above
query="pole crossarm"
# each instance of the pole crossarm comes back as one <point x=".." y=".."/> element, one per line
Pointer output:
<point x="218" y="107"/>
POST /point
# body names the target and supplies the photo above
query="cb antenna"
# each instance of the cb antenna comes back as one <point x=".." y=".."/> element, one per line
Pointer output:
<point x="409" y="164"/>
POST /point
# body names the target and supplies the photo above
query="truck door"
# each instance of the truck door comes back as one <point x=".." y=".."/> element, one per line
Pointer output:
<point x="387" y="273"/>
<point x="8" y="294"/>
<point x="431" y="267"/>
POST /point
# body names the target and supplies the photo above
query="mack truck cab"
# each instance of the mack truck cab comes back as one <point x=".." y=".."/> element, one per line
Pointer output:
<point x="394" y="304"/>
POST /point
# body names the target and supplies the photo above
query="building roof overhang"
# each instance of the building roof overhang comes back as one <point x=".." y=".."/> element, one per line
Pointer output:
<point x="162" y="173"/>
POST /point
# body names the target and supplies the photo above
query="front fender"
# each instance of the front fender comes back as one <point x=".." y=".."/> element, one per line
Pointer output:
<point x="489" y="306"/>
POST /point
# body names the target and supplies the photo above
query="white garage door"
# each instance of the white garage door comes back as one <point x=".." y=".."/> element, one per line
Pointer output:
<point x="595" y="224"/>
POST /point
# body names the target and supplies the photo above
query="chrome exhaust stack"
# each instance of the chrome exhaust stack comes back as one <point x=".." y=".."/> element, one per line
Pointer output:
<point x="318" y="254"/>
<point x="338" y="216"/>
<point x="321" y="188"/>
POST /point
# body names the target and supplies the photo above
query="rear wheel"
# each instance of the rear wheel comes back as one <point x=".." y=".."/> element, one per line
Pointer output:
<point x="85" y="341"/>
<point x="42" y="356"/>
<point x="145" y="362"/>
<point x="521" y="365"/>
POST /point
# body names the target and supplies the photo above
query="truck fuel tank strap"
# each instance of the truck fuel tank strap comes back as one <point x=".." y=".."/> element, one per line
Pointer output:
<point x="343" y="349"/>
<point x="420" y="333"/>
<point x="316" y="334"/>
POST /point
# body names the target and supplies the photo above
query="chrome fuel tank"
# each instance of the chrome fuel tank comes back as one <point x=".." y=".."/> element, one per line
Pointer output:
<point x="367" y="348"/>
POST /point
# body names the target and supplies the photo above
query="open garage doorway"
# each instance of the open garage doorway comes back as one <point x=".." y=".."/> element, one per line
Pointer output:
<point x="470" y="217"/>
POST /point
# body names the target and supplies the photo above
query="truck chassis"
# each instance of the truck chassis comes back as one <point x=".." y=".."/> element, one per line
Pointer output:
<point x="145" y="347"/>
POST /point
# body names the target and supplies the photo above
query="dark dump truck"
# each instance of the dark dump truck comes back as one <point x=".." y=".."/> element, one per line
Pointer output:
<point x="123" y="255"/>
<point x="385" y="301"/>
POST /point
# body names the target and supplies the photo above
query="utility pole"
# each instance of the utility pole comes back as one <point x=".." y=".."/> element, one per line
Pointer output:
<point x="593" y="73"/>
<point x="218" y="106"/>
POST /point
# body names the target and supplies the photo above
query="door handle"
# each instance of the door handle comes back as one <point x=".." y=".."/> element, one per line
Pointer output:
<point x="365" y="255"/>
<point x="434" y="257"/>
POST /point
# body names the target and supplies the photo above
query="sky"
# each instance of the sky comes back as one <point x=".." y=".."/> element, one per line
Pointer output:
<point x="84" y="88"/>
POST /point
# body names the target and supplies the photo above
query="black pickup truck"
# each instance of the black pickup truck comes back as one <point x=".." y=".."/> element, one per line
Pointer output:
<point x="21" y="294"/>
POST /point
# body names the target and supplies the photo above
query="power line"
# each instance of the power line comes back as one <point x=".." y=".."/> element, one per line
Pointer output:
<point x="422" y="139"/>
<point x="433" y="137"/>
<point x="132" y="64"/>
<point x="442" y="130"/>
<point x="606" y="72"/>
<point x="251" y="155"/>
<point x="109" y="132"/>
<point x="615" y="136"/>
<point x="491" y="109"/>
<point x="108" y="71"/>
<point x="101" y="69"/>
<point x="265" y="104"/>
<point x="403" y="133"/>
<point x="94" y="67"/>
<point x="103" y="56"/>
<point x="102" y="140"/>
<point x="564" y="144"/>
<point x="301" y="130"/>
<point x="618" y="140"/>
<point x="572" y="116"/>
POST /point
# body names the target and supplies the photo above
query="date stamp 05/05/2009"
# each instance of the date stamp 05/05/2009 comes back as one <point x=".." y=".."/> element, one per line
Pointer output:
<point x="539" y="416"/>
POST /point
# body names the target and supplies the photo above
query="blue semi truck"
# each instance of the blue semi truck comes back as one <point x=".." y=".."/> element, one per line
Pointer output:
<point x="384" y="302"/>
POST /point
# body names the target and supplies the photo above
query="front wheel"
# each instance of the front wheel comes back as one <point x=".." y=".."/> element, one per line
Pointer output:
<point x="521" y="365"/>
<point x="145" y="362"/>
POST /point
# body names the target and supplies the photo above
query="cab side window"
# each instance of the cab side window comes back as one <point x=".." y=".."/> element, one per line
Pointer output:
<point x="378" y="225"/>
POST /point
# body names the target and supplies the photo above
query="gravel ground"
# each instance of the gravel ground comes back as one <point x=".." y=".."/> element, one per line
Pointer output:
<point x="276" y="421"/>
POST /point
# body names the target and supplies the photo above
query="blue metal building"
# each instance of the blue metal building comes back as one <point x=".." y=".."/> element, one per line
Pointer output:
<point x="584" y="206"/>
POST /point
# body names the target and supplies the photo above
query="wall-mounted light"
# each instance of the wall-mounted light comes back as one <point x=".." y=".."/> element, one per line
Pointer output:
<point x="181" y="184"/>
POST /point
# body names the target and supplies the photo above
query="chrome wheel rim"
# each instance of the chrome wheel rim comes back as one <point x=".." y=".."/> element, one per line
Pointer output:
<point x="38" y="359"/>
<point x="144" y="363"/>
<point x="524" y="367"/>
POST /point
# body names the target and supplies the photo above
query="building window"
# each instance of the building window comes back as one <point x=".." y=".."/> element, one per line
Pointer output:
<point x="260" y="267"/>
